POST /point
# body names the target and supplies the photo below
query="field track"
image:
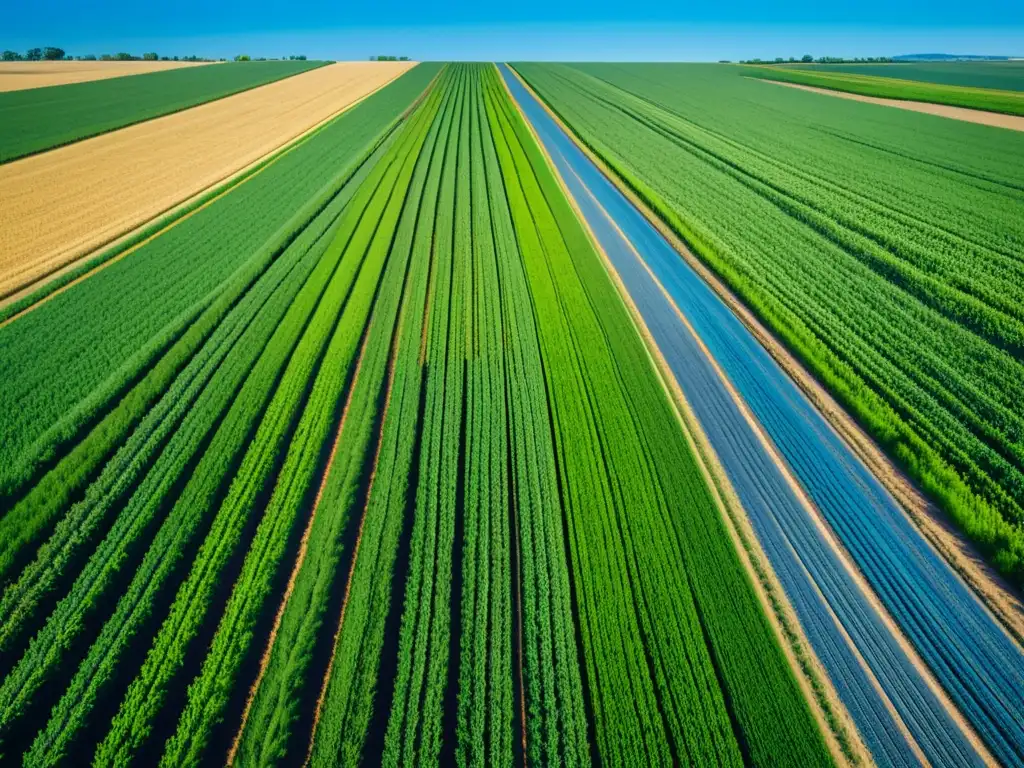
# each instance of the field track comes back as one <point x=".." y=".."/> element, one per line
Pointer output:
<point x="788" y="540"/>
<point x="22" y="75"/>
<point x="72" y="200"/>
<point x="981" y="117"/>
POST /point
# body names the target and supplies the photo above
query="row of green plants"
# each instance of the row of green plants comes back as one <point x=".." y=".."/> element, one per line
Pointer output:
<point x="888" y="264"/>
<point x="267" y="734"/>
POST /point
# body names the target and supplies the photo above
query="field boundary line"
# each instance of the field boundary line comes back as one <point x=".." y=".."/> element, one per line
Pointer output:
<point x="934" y="108"/>
<point x="837" y="726"/>
<point x="94" y="261"/>
<point x="995" y="593"/>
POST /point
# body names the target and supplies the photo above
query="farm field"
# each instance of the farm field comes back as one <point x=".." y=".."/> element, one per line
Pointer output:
<point x="63" y="204"/>
<point x="722" y="369"/>
<point x="921" y="345"/>
<point x="22" y="75"/>
<point x="390" y="477"/>
<point x="1000" y="94"/>
<point x="28" y="118"/>
<point x="997" y="75"/>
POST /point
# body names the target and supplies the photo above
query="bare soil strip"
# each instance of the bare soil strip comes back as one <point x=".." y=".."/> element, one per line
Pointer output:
<point x="980" y="116"/>
<point x="781" y="616"/>
<point x="72" y="200"/>
<point x="23" y="75"/>
<point x="1001" y="599"/>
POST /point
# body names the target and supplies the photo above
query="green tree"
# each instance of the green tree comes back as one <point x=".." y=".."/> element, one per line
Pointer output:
<point x="53" y="54"/>
<point x="149" y="57"/>
<point x="807" y="58"/>
<point x="34" y="54"/>
<point x="11" y="56"/>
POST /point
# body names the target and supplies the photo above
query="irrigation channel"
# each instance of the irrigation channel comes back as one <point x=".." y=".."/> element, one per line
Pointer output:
<point x="712" y="354"/>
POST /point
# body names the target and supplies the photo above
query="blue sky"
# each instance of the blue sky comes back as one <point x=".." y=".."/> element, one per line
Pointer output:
<point x="520" y="29"/>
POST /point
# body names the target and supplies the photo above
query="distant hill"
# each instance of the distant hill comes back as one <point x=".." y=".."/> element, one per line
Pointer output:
<point x="947" y="57"/>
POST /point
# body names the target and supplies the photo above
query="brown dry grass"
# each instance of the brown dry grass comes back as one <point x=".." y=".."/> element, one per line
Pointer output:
<point x="995" y="119"/>
<point x="22" y="75"/>
<point x="68" y="202"/>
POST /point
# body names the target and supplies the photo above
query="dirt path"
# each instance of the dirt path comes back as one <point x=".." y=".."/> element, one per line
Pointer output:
<point x="995" y="119"/>
<point x="23" y="75"/>
<point x="70" y="201"/>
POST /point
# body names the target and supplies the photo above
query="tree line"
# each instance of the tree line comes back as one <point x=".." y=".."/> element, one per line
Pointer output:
<point x="808" y="59"/>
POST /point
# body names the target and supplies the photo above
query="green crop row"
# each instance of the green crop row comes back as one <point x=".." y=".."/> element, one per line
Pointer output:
<point x="888" y="264"/>
<point x="349" y="694"/>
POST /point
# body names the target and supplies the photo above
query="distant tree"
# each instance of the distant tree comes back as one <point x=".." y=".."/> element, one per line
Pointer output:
<point x="301" y="57"/>
<point x="726" y="61"/>
<point x="149" y="57"/>
<point x="791" y="59"/>
<point x="53" y="54"/>
<point x="807" y="58"/>
<point x="403" y="58"/>
<point x="123" y="57"/>
<point x="34" y="54"/>
<point x="165" y="58"/>
<point x="242" y="57"/>
<point x="10" y="56"/>
<point x="106" y="57"/>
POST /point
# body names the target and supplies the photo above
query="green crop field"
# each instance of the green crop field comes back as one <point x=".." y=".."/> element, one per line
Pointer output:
<point x="367" y="462"/>
<point x="38" y="119"/>
<point x="995" y="92"/>
<point x="884" y="253"/>
<point x="997" y="75"/>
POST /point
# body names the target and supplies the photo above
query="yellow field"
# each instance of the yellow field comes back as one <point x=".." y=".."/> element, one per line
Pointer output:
<point x="22" y="75"/>
<point x="68" y="202"/>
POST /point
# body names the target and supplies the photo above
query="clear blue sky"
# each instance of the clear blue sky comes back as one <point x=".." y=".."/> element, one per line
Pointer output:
<point x="520" y="29"/>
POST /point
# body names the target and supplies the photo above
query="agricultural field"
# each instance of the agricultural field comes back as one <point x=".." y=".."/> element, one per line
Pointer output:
<point x="496" y="415"/>
<point x="997" y="75"/>
<point x="347" y="493"/>
<point x="922" y="345"/>
<point x="67" y="204"/>
<point x="38" y="119"/>
<point x="1001" y="92"/>
<point x="22" y="75"/>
